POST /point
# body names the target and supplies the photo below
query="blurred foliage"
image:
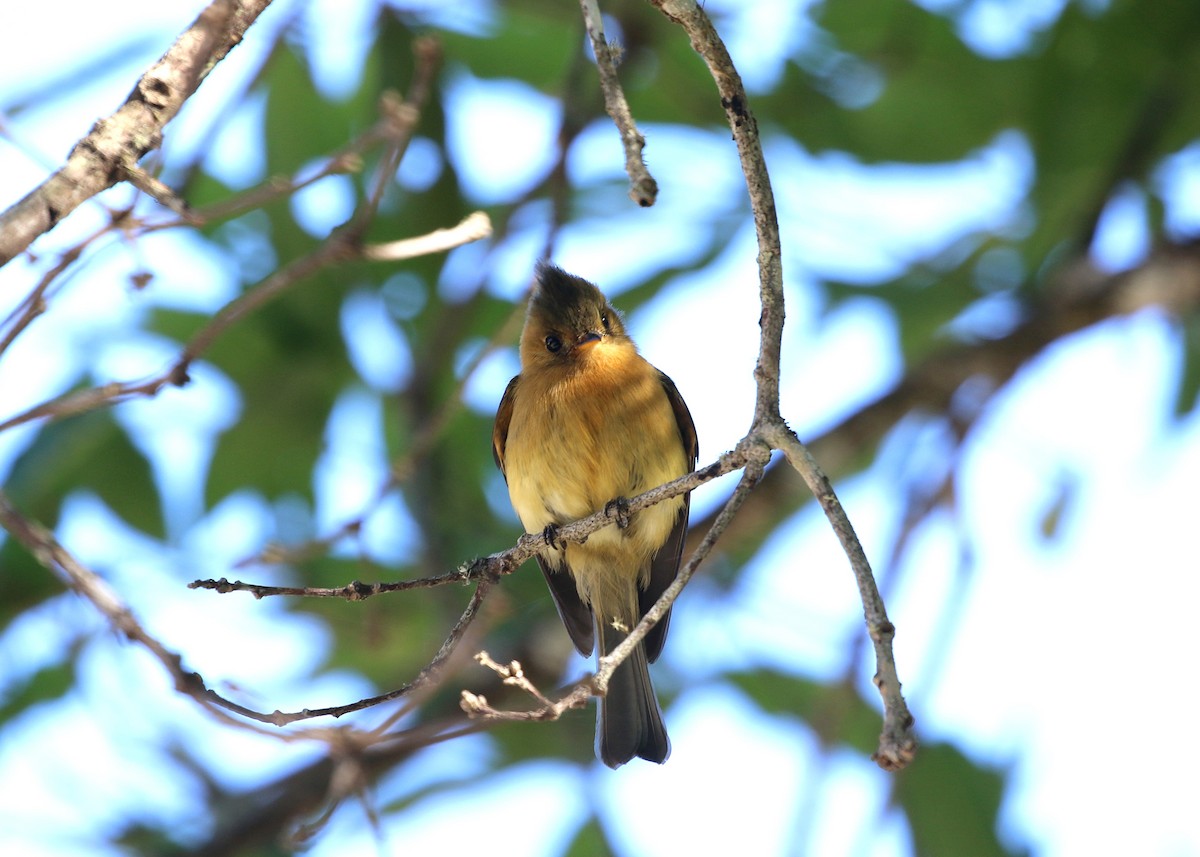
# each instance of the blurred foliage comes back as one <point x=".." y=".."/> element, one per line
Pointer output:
<point x="1099" y="97"/>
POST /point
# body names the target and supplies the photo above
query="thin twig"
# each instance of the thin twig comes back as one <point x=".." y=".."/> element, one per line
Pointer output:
<point x="348" y="159"/>
<point x="327" y="253"/>
<point x="425" y="678"/>
<point x="40" y="542"/>
<point x="473" y="227"/>
<point x="35" y="302"/>
<point x="356" y="590"/>
<point x="49" y="553"/>
<point x="156" y="189"/>
<point x="92" y="398"/>
<point x="342" y="245"/>
<point x="707" y="43"/>
<point x="643" y="189"/>
<point x="512" y="674"/>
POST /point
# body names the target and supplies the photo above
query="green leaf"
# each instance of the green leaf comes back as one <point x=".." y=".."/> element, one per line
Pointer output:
<point x="289" y="363"/>
<point x="590" y="841"/>
<point x="86" y="452"/>
<point x="937" y="100"/>
<point x="952" y="804"/>
<point x="300" y="123"/>
<point x="24" y="582"/>
<point x="837" y="713"/>
<point x="1188" y="392"/>
<point x="48" y="683"/>
<point x="504" y="52"/>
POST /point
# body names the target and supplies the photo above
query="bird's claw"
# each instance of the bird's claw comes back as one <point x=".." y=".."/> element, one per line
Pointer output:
<point x="619" y="510"/>
<point x="550" y="534"/>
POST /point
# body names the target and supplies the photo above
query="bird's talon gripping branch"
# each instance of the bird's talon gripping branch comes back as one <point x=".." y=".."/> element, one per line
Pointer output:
<point x="618" y="509"/>
<point x="550" y="534"/>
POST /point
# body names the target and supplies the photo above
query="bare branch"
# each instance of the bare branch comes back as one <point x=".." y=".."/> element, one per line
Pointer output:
<point x="104" y="156"/>
<point x="156" y="189"/>
<point x="354" y="591"/>
<point x="473" y="227"/>
<point x="111" y="153"/>
<point x="1168" y="280"/>
<point x="707" y="43"/>
<point x="425" y="679"/>
<point x="897" y="744"/>
<point x="40" y="542"/>
<point x="643" y="189"/>
<point x="45" y="548"/>
<point x="513" y="675"/>
<point x="348" y="159"/>
<point x="508" y="561"/>
<point x="35" y="302"/>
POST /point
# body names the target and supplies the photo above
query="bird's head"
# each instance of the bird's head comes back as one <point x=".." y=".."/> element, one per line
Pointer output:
<point x="569" y="322"/>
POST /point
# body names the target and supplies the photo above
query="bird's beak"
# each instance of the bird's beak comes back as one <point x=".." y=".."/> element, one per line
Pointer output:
<point x="589" y="338"/>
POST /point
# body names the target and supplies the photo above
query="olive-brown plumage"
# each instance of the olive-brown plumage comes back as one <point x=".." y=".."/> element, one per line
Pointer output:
<point x="589" y="421"/>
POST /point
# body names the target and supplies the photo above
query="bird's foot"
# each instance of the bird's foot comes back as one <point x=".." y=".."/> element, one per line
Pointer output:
<point x="619" y="510"/>
<point x="550" y="534"/>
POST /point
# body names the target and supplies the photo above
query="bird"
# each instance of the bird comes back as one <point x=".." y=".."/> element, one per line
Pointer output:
<point x="589" y="422"/>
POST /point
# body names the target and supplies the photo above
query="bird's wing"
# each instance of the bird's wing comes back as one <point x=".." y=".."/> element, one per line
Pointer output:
<point x="500" y="427"/>
<point x="683" y="418"/>
<point x="665" y="565"/>
<point x="575" y="615"/>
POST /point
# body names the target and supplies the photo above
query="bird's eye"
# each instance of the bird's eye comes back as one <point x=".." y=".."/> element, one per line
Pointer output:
<point x="604" y="320"/>
<point x="553" y="343"/>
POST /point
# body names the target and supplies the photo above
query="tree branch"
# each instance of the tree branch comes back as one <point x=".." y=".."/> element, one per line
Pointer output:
<point x="897" y="744"/>
<point x="643" y="189"/>
<point x="115" y="144"/>
<point x="708" y="44"/>
<point x="40" y="542"/>
<point x="473" y="227"/>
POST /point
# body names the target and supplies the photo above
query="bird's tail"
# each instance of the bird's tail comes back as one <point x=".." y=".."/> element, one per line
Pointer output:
<point x="630" y="723"/>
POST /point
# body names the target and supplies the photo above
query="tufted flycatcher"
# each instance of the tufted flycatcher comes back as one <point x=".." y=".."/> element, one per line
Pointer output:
<point x="589" y="421"/>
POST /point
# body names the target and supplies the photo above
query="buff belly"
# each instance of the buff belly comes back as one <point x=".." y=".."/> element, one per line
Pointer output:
<point x="582" y="451"/>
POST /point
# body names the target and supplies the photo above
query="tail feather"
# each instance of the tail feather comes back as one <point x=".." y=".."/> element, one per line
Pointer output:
<point x="630" y="723"/>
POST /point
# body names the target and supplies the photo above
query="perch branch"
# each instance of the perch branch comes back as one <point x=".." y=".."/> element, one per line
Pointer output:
<point x="486" y="571"/>
<point x="753" y="458"/>
<point x="756" y="457"/>
<point x="508" y="561"/>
